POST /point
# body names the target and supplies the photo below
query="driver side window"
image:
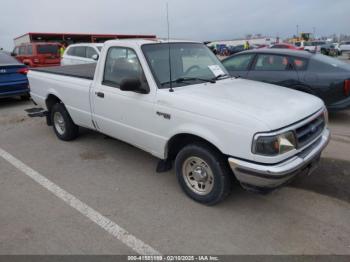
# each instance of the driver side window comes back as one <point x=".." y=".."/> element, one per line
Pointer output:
<point x="238" y="63"/>
<point x="121" y="64"/>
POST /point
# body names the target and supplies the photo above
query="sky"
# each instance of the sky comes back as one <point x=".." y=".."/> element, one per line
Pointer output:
<point x="189" y="19"/>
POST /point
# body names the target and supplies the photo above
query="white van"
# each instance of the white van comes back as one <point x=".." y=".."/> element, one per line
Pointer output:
<point x="81" y="54"/>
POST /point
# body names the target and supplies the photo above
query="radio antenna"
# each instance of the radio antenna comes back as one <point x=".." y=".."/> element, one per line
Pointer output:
<point x="169" y="50"/>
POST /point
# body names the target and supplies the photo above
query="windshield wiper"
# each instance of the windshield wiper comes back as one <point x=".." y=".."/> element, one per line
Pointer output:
<point x="220" y="76"/>
<point x="185" y="79"/>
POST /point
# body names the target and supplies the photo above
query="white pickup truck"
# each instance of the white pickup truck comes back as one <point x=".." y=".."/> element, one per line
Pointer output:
<point x="214" y="128"/>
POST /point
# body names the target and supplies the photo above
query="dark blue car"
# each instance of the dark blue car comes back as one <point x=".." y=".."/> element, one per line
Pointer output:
<point x="13" y="77"/>
<point x="319" y="75"/>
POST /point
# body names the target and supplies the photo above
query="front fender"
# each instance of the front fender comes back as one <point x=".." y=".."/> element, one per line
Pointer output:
<point x="195" y="130"/>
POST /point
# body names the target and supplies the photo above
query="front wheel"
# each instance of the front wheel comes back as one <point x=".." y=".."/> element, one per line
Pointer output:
<point x="203" y="174"/>
<point x="63" y="125"/>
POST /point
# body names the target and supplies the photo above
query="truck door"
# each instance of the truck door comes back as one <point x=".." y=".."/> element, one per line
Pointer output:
<point x="124" y="115"/>
<point x="274" y="69"/>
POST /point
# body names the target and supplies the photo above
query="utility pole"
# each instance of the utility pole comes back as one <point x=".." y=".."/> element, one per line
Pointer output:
<point x="314" y="28"/>
<point x="297" y="30"/>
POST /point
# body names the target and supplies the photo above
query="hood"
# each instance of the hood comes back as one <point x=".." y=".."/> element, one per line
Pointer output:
<point x="274" y="106"/>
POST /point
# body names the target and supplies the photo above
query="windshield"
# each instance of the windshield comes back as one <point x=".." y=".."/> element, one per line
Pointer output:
<point x="48" y="49"/>
<point x="191" y="63"/>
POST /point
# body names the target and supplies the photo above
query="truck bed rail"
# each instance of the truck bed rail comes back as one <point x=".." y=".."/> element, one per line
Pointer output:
<point x="85" y="71"/>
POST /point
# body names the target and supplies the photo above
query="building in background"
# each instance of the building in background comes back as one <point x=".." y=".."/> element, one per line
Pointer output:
<point x="71" y="38"/>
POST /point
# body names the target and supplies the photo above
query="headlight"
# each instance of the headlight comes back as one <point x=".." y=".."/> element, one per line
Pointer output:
<point x="274" y="145"/>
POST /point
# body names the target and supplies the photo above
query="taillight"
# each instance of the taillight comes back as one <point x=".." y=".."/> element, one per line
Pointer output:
<point x="347" y="87"/>
<point x="23" y="71"/>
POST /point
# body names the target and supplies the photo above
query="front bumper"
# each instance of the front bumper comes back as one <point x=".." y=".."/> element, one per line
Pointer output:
<point x="260" y="177"/>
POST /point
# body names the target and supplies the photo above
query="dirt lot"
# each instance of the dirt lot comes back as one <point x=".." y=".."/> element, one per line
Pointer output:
<point x="118" y="181"/>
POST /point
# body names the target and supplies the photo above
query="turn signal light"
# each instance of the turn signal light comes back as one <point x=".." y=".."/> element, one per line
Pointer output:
<point x="347" y="87"/>
<point x="23" y="71"/>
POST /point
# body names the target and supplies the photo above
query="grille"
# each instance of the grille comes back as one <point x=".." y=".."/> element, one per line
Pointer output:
<point x="308" y="132"/>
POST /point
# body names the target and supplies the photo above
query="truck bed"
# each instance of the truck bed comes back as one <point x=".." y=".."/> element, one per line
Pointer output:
<point x="85" y="71"/>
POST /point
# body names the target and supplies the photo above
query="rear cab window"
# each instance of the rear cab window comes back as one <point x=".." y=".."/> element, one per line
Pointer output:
<point x="47" y="49"/>
<point x="79" y="51"/>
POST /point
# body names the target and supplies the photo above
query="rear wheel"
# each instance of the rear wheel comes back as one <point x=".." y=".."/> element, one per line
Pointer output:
<point x="203" y="174"/>
<point x="63" y="124"/>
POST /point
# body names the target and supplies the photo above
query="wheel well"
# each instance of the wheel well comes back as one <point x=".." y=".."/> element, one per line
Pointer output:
<point x="177" y="142"/>
<point x="51" y="101"/>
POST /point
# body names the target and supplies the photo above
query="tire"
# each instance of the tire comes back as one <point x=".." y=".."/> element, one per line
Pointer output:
<point x="217" y="176"/>
<point x="63" y="124"/>
<point x="25" y="97"/>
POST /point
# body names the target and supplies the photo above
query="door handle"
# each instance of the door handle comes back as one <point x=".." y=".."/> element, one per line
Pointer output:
<point x="100" y="94"/>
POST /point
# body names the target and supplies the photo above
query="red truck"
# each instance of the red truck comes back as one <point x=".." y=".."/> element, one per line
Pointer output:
<point x="38" y="54"/>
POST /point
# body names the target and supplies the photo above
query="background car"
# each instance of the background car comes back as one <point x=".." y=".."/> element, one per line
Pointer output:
<point x="236" y="49"/>
<point x="345" y="46"/>
<point x="316" y="74"/>
<point x="287" y="46"/>
<point x="38" y="54"/>
<point x="13" y="77"/>
<point x="81" y="54"/>
<point x="330" y="50"/>
<point x="314" y="46"/>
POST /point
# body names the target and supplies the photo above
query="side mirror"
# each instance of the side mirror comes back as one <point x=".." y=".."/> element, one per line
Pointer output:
<point x="13" y="54"/>
<point x="95" y="57"/>
<point x="133" y="85"/>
